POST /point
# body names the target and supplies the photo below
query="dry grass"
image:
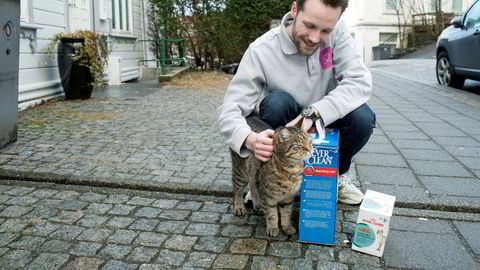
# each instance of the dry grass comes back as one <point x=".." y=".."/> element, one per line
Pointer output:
<point x="202" y="80"/>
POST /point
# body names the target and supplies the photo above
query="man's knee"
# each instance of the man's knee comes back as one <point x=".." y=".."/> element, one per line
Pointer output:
<point x="363" y="119"/>
<point x="278" y="108"/>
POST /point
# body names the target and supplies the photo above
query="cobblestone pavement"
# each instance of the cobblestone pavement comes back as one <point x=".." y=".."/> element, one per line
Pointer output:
<point x="425" y="149"/>
<point x="54" y="226"/>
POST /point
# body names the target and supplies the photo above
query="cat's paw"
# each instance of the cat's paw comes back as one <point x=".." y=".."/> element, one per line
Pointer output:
<point x="240" y="210"/>
<point x="289" y="230"/>
<point x="273" y="232"/>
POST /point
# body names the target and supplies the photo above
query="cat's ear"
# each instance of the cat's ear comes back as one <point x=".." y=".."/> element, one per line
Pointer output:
<point x="284" y="134"/>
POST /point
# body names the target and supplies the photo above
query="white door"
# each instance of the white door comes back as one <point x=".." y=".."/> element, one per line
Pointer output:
<point x="79" y="13"/>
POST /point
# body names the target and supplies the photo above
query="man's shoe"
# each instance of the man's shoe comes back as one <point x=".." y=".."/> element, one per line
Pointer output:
<point x="347" y="192"/>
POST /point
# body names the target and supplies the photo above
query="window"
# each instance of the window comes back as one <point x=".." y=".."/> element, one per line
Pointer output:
<point x="121" y="15"/>
<point x="24" y="11"/>
<point x="389" y="38"/>
<point x="457" y="6"/>
<point x="473" y="17"/>
<point x="391" y="5"/>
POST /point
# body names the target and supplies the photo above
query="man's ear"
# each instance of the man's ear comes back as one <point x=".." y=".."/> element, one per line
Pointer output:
<point x="294" y="9"/>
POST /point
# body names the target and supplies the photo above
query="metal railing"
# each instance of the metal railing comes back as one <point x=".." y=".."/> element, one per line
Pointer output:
<point x="160" y="49"/>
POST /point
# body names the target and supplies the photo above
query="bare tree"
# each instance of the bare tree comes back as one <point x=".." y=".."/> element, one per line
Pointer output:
<point x="403" y="10"/>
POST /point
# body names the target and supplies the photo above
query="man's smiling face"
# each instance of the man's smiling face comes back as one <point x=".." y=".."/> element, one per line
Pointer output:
<point x="312" y="26"/>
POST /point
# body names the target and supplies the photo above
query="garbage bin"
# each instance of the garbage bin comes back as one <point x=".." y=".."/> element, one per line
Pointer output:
<point x="9" y="53"/>
<point x="383" y="51"/>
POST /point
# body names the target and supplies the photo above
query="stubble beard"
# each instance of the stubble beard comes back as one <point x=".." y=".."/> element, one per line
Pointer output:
<point x="307" y="51"/>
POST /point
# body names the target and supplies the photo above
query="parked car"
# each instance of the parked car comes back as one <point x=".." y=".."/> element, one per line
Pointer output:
<point x="458" y="49"/>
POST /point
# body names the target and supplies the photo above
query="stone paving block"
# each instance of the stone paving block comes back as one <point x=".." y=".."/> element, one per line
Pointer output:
<point x="416" y="144"/>
<point x="403" y="193"/>
<point x="142" y="254"/>
<point x="165" y="204"/>
<point x="66" y="195"/>
<point x="121" y="210"/>
<point x="180" y="242"/>
<point x="382" y="148"/>
<point x="212" y="244"/>
<point x="352" y="257"/>
<point x="379" y="160"/>
<point x="457" y="141"/>
<point x="84" y="263"/>
<point x="67" y="232"/>
<point x="15" y="211"/>
<point x="420" y="225"/>
<point x="202" y="229"/>
<point x="42" y="229"/>
<point x="118" y="265"/>
<point x="431" y="251"/>
<point x="22" y="200"/>
<point x="85" y="249"/>
<point x="4" y="198"/>
<point x="27" y="242"/>
<point x="264" y="263"/>
<point x="117" y="199"/>
<point x="424" y="154"/>
<point x="378" y="139"/>
<point x="140" y="201"/>
<point x="232" y="219"/>
<point x="436" y="129"/>
<point x="172" y="226"/>
<point x="144" y="224"/>
<point x="98" y="208"/>
<point x="285" y="249"/>
<point x="92" y="197"/>
<point x="386" y="175"/>
<point x="188" y="205"/>
<point x="148" y="212"/>
<point x="200" y="259"/>
<point x="439" y="168"/>
<point x="230" y="261"/>
<point x="463" y="151"/>
<point x="123" y="237"/>
<point x="237" y="231"/>
<point x="170" y="257"/>
<point x="409" y="135"/>
<point x="294" y="264"/>
<point x="16" y="259"/>
<point x="396" y="127"/>
<point x="452" y="186"/>
<point x="261" y="233"/>
<point x="50" y="202"/>
<point x="215" y="207"/>
<point x="120" y="222"/>
<point x="249" y="246"/>
<point x="19" y="191"/>
<point x="92" y="221"/>
<point x="3" y="251"/>
<point x="13" y="225"/>
<point x="150" y="239"/>
<point x="48" y="261"/>
<point x="72" y="205"/>
<point x="154" y="267"/>
<point x="55" y="246"/>
<point x="95" y="235"/>
<point x="333" y="266"/>
<point x="67" y="217"/>
<point x="209" y="217"/>
<point x="117" y="252"/>
<point x="174" y="214"/>
<point x="44" y="193"/>
<point x="471" y="163"/>
<point x="469" y="231"/>
<point x="320" y="253"/>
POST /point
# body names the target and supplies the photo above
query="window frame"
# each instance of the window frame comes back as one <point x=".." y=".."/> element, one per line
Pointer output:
<point x="122" y="15"/>
<point x="25" y="11"/>
<point x="387" y="7"/>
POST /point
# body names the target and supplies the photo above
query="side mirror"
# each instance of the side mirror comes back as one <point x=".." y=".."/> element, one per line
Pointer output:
<point x="456" y="22"/>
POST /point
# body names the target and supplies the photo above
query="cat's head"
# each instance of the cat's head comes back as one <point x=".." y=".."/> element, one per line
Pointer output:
<point x="292" y="143"/>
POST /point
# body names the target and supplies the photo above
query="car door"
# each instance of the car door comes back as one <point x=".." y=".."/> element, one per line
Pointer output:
<point x="466" y="44"/>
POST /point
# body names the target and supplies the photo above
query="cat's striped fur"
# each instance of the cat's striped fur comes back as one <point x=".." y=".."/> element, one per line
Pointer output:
<point x="272" y="183"/>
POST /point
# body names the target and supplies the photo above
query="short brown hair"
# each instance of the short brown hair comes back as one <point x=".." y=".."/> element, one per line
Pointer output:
<point x="332" y="3"/>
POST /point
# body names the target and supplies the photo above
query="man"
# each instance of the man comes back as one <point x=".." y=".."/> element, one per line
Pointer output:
<point x="306" y="70"/>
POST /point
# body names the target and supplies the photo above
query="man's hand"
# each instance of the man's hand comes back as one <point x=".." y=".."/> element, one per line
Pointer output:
<point x="301" y="122"/>
<point x="261" y="144"/>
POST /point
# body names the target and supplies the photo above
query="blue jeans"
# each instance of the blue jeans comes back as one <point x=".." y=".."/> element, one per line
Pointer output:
<point x="279" y="108"/>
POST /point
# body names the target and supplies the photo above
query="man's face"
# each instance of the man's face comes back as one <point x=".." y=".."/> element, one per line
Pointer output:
<point x="313" y="25"/>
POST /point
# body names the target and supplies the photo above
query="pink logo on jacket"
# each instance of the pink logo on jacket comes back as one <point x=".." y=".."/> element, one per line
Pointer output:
<point x="326" y="58"/>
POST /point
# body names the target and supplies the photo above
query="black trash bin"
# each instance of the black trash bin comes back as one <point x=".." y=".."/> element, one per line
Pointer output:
<point x="77" y="80"/>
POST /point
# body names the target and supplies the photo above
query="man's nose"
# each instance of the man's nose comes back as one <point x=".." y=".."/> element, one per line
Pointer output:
<point x="317" y="36"/>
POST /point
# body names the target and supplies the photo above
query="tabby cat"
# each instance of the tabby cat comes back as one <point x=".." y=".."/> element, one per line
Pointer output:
<point x="272" y="183"/>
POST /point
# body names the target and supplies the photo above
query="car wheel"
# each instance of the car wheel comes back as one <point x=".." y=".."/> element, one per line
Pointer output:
<point x="446" y="74"/>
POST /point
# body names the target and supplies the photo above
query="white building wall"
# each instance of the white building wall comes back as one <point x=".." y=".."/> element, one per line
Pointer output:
<point x="368" y="18"/>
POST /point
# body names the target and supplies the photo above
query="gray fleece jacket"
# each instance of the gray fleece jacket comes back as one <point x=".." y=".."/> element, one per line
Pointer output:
<point x="334" y="80"/>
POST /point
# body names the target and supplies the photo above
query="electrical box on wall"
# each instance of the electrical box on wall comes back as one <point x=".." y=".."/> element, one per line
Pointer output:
<point x="9" y="53"/>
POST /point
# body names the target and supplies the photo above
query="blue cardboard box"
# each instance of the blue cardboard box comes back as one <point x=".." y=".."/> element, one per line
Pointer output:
<point x="318" y="196"/>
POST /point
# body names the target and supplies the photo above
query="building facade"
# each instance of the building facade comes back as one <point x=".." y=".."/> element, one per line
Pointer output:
<point x="375" y="22"/>
<point x="123" y="21"/>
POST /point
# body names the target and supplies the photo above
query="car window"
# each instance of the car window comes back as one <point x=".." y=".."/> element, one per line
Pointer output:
<point x="473" y="17"/>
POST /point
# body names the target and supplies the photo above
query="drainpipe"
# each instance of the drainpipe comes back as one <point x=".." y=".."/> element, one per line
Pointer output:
<point x="144" y="35"/>
<point x="93" y="14"/>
